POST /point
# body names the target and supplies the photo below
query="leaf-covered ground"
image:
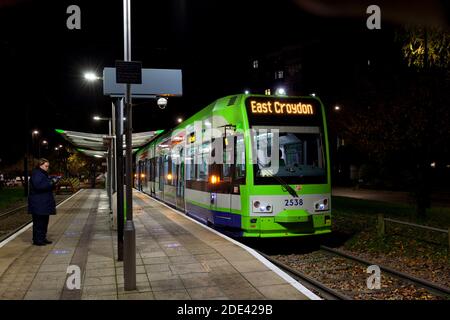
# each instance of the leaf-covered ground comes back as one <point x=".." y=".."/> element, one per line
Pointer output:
<point x="411" y="250"/>
<point x="350" y="278"/>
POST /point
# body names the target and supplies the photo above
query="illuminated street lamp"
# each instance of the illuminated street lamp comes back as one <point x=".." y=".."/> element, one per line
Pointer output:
<point x="337" y="108"/>
<point x="281" y="92"/>
<point x="91" y="76"/>
<point x="179" y="120"/>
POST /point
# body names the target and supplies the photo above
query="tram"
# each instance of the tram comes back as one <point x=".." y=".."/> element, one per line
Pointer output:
<point x="248" y="165"/>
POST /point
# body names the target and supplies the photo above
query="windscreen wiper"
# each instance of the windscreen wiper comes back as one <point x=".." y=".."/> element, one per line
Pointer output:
<point x="284" y="186"/>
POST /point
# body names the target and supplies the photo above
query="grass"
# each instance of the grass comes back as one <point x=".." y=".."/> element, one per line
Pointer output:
<point x="10" y="196"/>
<point x="368" y="209"/>
<point x="358" y="218"/>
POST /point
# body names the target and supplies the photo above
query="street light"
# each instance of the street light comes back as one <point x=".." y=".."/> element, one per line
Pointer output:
<point x="180" y="120"/>
<point x="281" y="92"/>
<point x="337" y="108"/>
<point x="34" y="134"/>
<point x="91" y="76"/>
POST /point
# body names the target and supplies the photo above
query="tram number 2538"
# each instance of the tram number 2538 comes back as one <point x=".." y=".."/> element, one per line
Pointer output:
<point x="296" y="202"/>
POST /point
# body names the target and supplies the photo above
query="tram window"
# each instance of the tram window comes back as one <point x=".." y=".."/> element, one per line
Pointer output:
<point x="190" y="163"/>
<point x="166" y="165"/>
<point x="156" y="162"/>
<point x="203" y="160"/>
<point x="228" y="157"/>
<point x="240" y="158"/>
<point x="173" y="172"/>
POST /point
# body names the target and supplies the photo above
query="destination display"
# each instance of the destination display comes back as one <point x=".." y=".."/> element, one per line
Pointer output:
<point x="272" y="110"/>
<point x="261" y="106"/>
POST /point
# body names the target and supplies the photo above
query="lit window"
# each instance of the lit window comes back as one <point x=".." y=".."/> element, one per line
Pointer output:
<point x="255" y="64"/>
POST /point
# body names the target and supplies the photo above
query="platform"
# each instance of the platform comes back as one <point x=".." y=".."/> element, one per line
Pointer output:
<point x="177" y="258"/>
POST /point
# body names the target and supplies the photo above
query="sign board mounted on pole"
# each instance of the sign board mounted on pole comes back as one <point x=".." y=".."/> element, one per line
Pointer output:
<point x="129" y="72"/>
<point x="155" y="82"/>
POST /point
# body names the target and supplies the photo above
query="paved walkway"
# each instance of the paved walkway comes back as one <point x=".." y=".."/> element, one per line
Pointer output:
<point x="176" y="258"/>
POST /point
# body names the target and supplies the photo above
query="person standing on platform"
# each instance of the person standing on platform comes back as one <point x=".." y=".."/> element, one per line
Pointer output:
<point x="41" y="202"/>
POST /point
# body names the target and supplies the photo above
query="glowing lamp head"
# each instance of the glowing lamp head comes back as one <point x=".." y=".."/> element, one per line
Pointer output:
<point x="281" y="92"/>
<point x="90" y="76"/>
<point x="169" y="176"/>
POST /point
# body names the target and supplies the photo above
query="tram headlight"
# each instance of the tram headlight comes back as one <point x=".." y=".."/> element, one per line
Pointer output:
<point x="262" y="207"/>
<point x="321" y="205"/>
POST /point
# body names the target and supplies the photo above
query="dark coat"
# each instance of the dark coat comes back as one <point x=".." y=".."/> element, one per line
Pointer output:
<point x="40" y="198"/>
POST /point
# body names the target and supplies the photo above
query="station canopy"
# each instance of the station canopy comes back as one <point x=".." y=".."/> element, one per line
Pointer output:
<point x="96" y="145"/>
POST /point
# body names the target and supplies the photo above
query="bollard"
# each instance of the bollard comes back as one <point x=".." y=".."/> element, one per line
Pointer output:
<point x="381" y="228"/>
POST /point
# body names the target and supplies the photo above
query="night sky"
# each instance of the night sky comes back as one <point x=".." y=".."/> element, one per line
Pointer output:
<point x="213" y="42"/>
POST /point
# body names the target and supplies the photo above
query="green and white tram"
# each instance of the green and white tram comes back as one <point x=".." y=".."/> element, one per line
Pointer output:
<point x="249" y="165"/>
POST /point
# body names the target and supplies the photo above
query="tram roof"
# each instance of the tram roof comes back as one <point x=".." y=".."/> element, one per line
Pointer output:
<point x="96" y="145"/>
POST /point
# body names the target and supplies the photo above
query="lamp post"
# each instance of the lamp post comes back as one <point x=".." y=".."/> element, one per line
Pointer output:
<point x="129" y="263"/>
<point x="109" y="163"/>
<point x="44" y="143"/>
<point x="116" y="133"/>
<point x="34" y="135"/>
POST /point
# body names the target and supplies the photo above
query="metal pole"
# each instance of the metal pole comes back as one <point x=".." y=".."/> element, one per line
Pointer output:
<point x="119" y="178"/>
<point x="129" y="264"/>
<point x="25" y="174"/>
<point x="113" y="146"/>
<point x="109" y="165"/>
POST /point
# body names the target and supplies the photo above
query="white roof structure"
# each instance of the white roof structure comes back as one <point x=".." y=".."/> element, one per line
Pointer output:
<point x="96" y="145"/>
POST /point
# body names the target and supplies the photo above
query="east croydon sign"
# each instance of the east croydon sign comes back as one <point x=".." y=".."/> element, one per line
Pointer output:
<point x="155" y="82"/>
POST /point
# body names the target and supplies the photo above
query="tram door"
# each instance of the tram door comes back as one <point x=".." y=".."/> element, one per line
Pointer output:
<point x="180" y="177"/>
<point x="220" y="196"/>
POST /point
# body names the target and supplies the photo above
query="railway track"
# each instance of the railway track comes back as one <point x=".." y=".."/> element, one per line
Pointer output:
<point x="12" y="221"/>
<point x="336" y="275"/>
<point x="9" y="212"/>
<point x="434" y="288"/>
<point x="312" y="284"/>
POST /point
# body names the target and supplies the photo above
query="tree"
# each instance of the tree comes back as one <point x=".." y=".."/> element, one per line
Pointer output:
<point x="402" y="122"/>
<point x="77" y="164"/>
<point x="425" y="47"/>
